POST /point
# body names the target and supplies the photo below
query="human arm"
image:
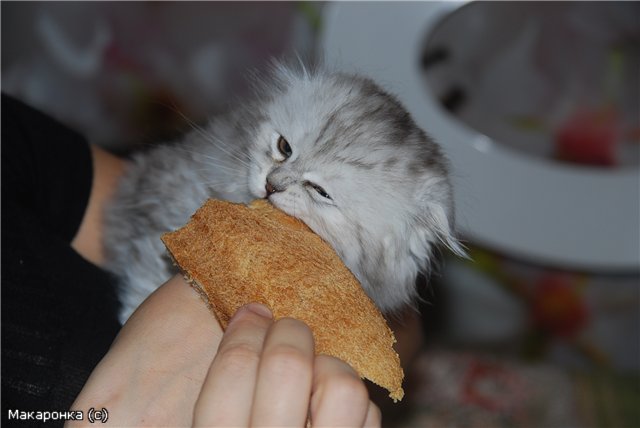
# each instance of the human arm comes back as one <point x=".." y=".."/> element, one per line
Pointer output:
<point x="107" y="170"/>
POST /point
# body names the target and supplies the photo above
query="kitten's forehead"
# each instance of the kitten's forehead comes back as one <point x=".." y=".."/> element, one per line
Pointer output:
<point x="350" y="123"/>
<point x="311" y="100"/>
<point x="341" y="111"/>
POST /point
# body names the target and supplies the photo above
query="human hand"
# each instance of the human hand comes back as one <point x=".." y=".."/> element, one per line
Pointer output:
<point x="267" y="374"/>
<point x="161" y="370"/>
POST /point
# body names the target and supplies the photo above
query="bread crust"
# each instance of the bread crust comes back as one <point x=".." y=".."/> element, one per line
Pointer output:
<point x="234" y="254"/>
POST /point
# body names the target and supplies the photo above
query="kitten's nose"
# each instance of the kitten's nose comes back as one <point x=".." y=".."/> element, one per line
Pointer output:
<point x="270" y="188"/>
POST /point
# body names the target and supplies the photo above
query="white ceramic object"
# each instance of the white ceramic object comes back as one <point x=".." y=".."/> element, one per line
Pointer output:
<point x="531" y="208"/>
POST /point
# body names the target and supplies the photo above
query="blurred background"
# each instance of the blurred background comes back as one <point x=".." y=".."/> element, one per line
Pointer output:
<point x="536" y="105"/>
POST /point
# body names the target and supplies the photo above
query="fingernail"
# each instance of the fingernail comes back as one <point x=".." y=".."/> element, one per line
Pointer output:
<point x="259" y="309"/>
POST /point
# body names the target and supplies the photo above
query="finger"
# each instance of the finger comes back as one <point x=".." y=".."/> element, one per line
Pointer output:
<point x="339" y="396"/>
<point x="374" y="416"/>
<point x="285" y="375"/>
<point x="225" y="399"/>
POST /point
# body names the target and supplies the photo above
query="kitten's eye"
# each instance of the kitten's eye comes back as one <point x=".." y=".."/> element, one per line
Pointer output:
<point x="284" y="147"/>
<point x="318" y="189"/>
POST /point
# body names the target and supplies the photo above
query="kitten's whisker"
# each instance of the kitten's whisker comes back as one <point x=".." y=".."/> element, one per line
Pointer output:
<point x="171" y="105"/>
<point x="215" y="182"/>
<point x="215" y="141"/>
<point x="220" y="144"/>
<point x="206" y="159"/>
<point x="194" y="125"/>
<point x="213" y="167"/>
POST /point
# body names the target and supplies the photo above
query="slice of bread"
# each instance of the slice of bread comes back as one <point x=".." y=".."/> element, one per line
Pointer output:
<point x="235" y="254"/>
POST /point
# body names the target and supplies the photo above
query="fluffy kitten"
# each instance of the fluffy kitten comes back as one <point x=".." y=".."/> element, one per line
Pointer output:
<point x="334" y="150"/>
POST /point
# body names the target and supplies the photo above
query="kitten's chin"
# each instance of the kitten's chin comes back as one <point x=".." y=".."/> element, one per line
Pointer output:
<point x="276" y="200"/>
<point x="257" y="186"/>
<point x="275" y="203"/>
<point x="259" y="193"/>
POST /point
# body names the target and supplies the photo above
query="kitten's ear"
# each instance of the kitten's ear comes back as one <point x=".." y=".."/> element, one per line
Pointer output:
<point x="440" y="223"/>
<point x="435" y="222"/>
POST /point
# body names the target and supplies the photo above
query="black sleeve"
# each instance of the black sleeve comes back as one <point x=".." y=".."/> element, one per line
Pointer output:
<point x="58" y="310"/>
<point x="46" y="167"/>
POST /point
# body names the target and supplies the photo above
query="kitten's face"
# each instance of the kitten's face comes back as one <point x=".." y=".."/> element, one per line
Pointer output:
<point x="346" y="158"/>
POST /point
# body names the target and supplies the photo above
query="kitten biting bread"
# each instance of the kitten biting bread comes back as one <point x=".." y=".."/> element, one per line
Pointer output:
<point x="234" y="254"/>
<point x="332" y="149"/>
